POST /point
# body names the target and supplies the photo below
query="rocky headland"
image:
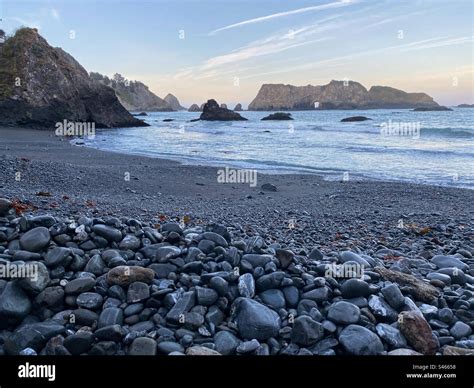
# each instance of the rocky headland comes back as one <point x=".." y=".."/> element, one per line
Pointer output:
<point x="336" y="95"/>
<point x="135" y="95"/>
<point x="41" y="85"/>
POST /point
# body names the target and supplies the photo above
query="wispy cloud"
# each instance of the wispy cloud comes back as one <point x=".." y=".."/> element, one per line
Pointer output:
<point x="342" y="3"/>
<point x="273" y="44"/>
<point x="438" y="42"/>
<point x="346" y="59"/>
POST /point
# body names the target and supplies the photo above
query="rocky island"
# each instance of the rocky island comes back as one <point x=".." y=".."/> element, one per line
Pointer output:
<point x="173" y="102"/>
<point x="213" y="112"/>
<point x="336" y="95"/>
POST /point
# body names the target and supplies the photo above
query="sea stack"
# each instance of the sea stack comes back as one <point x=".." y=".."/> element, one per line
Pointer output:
<point x="213" y="112"/>
<point x="194" y="108"/>
<point x="173" y="102"/>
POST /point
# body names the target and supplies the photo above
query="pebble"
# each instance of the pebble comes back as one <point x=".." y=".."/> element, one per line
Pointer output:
<point x="417" y="332"/>
<point x="110" y="316"/>
<point x="256" y="321"/>
<point x="137" y="292"/>
<point x="306" y="331"/>
<point x="226" y="342"/>
<point x="393" y="296"/>
<point x="220" y="285"/>
<point x="14" y="303"/>
<point x="89" y="300"/>
<point x="460" y="330"/>
<point x="382" y="309"/>
<point x="318" y="295"/>
<point x="391" y="335"/>
<point x="107" y="232"/>
<point x="143" y="346"/>
<point x="360" y="341"/>
<point x="354" y="288"/>
<point x="248" y="346"/>
<point x="167" y="347"/>
<point x="130" y="242"/>
<point x="347" y="256"/>
<point x="57" y="256"/>
<point x="79" y="285"/>
<point x="206" y="296"/>
<point x="35" y="335"/>
<point x="5" y="206"/>
<point x="201" y="351"/>
<point x="273" y="298"/>
<point x="442" y="261"/>
<point x="344" y="313"/>
<point x="126" y="275"/>
<point x="246" y="285"/>
<point x="35" y="239"/>
<point x="79" y="343"/>
<point x="39" y="281"/>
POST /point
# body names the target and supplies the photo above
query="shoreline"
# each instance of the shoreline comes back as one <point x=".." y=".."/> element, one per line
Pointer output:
<point x="51" y="164"/>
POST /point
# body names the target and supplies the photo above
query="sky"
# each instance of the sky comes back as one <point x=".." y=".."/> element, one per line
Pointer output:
<point x="226" y="49"/>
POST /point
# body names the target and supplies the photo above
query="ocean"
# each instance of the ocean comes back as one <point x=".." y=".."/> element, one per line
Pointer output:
<point x="435" y="148"/>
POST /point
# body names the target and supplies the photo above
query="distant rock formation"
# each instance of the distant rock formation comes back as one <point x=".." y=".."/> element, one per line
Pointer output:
<point x="224" y="106"/>
<point x="173" y="102"/>
<point x="354" y="118"/>
<point x="465" y="106"/>
<point x="336" y="95"/>
<point x="213" y="112"/>
<point x="238" y="108"/>
<point x="41" y="86"/>
<point x="133" y="95"/>
<point x="432" y="109"/>
<point x="278" y="116"/>
<point x="194" y="108"/>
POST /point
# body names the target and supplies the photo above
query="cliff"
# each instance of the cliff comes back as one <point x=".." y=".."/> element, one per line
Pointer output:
<point x="336" y="95"/>
<point x="41" y="85"/>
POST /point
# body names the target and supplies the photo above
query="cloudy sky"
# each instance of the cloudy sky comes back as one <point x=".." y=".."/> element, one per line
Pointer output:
<point x="226" y="49"/>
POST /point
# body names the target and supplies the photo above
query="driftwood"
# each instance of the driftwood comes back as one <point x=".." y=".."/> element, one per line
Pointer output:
<point x="418" y="288"/>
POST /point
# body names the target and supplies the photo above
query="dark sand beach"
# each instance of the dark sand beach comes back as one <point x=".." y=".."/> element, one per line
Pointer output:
<point x="74" y="175"/>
